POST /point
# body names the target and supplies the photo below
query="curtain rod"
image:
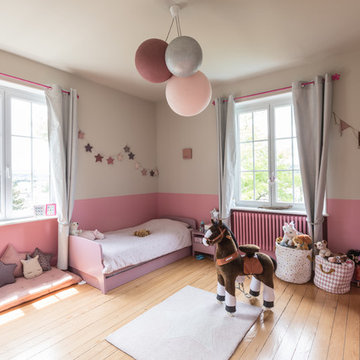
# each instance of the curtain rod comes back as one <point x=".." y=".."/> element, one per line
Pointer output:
<point x="32" y="82"/>
<point x="333" y="77"/>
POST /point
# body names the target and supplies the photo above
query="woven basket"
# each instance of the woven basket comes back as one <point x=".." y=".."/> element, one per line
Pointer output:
<point x="293" y="265"/>
<point x="334" y="278"/>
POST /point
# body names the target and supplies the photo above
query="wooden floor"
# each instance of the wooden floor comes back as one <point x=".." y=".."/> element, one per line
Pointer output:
<point x="306" y="323"/>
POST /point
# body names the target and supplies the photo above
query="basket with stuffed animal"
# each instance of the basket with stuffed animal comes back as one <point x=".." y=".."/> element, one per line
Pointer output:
<point x="293" y="255"/>
<point x="334" y="277"/>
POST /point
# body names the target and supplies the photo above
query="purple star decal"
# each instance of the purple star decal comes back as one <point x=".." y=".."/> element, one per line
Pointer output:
<point x="131" y="156"/>
<point x="98" y="158"/>
<point x="126" y="149"/>
<point x="152" y="173"/>
<point x="88" y="148"/>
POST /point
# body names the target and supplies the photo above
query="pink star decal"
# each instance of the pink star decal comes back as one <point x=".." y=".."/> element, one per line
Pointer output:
<point x="144" y="172"/>
<point x="110" y="160"/>
<point x="81" y="134"/>
<point x="335" y="77"/>
<point x="98" y="158"/>
<point x="137" y="165"/>
<point x="120" y="157"/>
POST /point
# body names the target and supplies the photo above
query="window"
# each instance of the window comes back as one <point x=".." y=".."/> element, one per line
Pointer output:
<point x="268" y="172"/>
<point x="24" y="152"/>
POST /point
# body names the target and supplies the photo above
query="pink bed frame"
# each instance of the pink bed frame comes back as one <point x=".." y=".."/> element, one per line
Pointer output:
<point x="86" y="260"/>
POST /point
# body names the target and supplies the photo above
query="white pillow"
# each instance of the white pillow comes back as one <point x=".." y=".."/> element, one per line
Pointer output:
<point x="32" y="267"/>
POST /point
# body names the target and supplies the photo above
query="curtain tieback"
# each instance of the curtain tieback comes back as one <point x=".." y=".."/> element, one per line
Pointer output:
<point x="316" y="222"/>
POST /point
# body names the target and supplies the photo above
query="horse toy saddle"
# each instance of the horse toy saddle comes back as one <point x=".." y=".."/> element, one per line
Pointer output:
<point x="252" y="265"/>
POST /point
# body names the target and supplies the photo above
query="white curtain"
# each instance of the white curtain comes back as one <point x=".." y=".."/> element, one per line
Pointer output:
<point x="312" y="110"/>
<point x="226" y="133"/>
<point x="63" y="137"/>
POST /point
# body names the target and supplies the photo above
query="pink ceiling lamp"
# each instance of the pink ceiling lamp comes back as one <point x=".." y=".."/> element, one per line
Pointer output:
<point x="150" y="61"/>
<point x="188" y="96"/>
<point x="188" y="90"/>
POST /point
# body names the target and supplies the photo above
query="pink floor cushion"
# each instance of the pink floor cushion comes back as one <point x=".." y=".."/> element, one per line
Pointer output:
<point x="28" y="289"/>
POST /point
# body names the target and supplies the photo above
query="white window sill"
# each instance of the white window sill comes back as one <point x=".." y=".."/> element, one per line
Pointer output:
<point x="274" y="211"/>
<point x="26" y="220"/>
<point x="281" y="211"/>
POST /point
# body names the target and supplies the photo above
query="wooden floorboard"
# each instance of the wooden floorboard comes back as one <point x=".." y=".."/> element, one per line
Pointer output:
<point x="306" y="322"/>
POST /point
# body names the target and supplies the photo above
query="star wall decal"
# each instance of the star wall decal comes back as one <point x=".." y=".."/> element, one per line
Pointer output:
<point x="152" y="173"/>
<point x="131" y="156"/>
<point x="88" y="148"/>
<point x="144" y="172"/>
<point x="126" y="149"/>
<point x="110" y="160"/>
<point x="98" y="158"/>
<point x="137" y="165"/>
<point x="120" y="157"/>
<point x="81" y="134"/>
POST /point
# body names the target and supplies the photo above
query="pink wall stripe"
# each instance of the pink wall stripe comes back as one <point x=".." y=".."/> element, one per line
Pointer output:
<point x="27" y="236"/>
<point x="197" y="206"/>
<point x="115" y="212"/>
<point x="343" y="224"/>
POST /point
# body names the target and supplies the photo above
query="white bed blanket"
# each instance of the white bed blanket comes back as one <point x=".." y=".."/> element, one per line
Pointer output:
<point x="121" y="248"/>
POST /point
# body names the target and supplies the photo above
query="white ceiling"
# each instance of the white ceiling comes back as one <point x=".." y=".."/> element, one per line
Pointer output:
<point x="239" y="38"/>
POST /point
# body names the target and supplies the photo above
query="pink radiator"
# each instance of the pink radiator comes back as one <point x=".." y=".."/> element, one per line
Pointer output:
<point x="262" y="228"/>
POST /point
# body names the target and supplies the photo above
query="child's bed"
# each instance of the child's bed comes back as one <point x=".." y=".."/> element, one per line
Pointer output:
<point x="121" y="257"/>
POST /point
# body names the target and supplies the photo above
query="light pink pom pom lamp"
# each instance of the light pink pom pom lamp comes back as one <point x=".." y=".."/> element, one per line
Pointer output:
<point x="188" y="90"/>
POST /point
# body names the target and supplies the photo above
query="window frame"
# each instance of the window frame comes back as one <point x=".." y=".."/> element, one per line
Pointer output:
<point x="7" y="93"/>
<point x="268" y="103"/>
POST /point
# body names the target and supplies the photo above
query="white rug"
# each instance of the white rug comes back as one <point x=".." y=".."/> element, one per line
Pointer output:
<point x="188" y="325"/>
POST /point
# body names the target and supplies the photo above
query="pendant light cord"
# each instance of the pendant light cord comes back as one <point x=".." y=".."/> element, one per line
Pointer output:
<point x="178" y="27"/>
<point x="167" y="36"/>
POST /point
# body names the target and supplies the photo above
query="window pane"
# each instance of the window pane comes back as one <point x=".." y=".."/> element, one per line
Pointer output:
<point x="21" y="155"/>
<point x="298" y="193"/>
<point x="39" y="121"/>
<point x="284" y="186"/>
<point x="246" y="186"/>
<point x="261" y="155"/>
<point x="260" y="125"/>
<point x="41" y="171"/>
<point x="245" y="126"/>
<point x="20" y="117"/>
<point x="261" y="186"/>
<point x="283" y="122"/>
<point x="246" y="157"/>
<point x="21" y="175"/>
<point x="283" y="154"/>
<point x="21" y="195"/>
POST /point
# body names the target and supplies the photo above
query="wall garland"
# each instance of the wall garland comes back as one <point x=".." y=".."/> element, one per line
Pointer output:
<point x="126" y="152"/>
<point x="343" y="125"/>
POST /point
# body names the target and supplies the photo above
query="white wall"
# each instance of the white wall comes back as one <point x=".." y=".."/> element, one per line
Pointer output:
<point x="110" y="120"/>
<point x="199" y="174"/>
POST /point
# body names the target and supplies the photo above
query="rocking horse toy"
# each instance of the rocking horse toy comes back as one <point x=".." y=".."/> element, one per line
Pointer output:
<point x="231" y="267"/>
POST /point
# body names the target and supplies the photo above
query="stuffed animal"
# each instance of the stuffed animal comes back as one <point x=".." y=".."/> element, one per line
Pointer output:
<point x="337" y="258"/>
<point x="322" y="247"/>
<point x="74" y="228"/>
<point x="302" y="242"/>
<point x="92" y="234"/>
<point x="142" y="233"/>
<point x="289" y="234"/>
